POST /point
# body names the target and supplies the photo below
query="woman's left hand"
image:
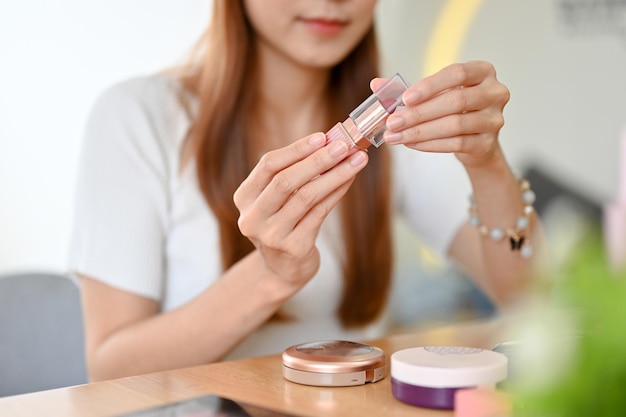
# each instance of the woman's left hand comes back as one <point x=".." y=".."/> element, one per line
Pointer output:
<point x="458" y="109"/>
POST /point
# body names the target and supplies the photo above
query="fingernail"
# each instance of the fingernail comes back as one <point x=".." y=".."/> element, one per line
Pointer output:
<point x="411" y="97"/>
<point x="338" y="148"/>
<point x="358" y="159"/>
<point x="317" y="139"/>
<point x="392" y="137"/>
<point x="395" y="122"/>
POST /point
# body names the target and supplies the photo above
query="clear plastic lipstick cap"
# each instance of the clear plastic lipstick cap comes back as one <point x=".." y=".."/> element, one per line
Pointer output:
<point x="371" y="115"/>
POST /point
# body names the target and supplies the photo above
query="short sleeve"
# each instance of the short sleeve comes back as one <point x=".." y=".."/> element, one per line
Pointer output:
<point x="121" y="199"/>
<point x="431" y="191"/>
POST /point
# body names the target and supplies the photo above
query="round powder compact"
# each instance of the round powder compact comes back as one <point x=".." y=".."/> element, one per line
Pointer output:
<point x="429" y="376"/>
<point x="333" y="363"/>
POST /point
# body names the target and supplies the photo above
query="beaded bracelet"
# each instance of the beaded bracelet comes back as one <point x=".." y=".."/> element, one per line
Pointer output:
<point x="517" y="234"/>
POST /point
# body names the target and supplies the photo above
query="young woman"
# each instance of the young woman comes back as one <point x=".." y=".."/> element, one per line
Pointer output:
<point x="212" y="222"/>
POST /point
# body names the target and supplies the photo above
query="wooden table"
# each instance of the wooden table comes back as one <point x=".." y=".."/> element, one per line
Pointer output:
<point x="254" y="381"/>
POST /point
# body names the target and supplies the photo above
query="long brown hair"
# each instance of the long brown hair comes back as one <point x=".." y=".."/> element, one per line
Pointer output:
<point x="224" y="79"/>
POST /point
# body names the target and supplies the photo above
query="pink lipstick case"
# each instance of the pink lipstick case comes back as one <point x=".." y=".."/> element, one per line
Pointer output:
<point x="366" y="124"/>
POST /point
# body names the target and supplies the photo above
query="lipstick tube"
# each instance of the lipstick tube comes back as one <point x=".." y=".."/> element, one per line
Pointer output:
<point x="366" y="124"/>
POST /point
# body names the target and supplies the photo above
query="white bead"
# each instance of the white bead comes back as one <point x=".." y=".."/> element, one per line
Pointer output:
<point x="528" y="196"/>
<point x="496" y="233"/>
<point x="474" y="221"/>
<point x="522" y="223"/>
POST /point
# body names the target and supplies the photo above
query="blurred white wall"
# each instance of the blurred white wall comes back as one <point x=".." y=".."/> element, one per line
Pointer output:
<point x="56" y="56"/>
<point x="565" y="64"/>
<point x="566" y="78"/>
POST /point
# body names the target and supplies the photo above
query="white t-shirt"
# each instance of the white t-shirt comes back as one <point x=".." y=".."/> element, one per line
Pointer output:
<point x="142" y="224"/>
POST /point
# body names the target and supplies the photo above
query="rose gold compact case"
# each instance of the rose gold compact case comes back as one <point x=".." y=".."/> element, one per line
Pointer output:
<point x="333" y="363"/>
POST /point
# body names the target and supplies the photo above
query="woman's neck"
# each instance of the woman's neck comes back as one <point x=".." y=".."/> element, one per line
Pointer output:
<point x="292" y="99"/>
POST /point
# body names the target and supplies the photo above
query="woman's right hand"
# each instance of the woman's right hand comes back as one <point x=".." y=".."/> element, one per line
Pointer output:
<point x="287" y="197"/>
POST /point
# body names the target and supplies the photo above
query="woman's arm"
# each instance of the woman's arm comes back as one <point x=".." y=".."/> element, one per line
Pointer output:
<point x="504" y="273"/>
<point x="127" y="335"/>
<point x="460" y="110"/>
<point x="282" y="203"/>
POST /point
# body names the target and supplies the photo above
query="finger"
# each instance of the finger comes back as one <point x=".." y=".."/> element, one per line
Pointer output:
<point x="286" y="182"/>
<point x="455" y="125"/>
<point x="274" y="162"/>
<point x="453" y="76"/>
<point x="302" y="236"/>
<point x="476" y="145"/>
<point x="302" y="213"/>
<point x="376" y="83"/>
<point x="315" y="191"/>
<point x="453" y="101"/>
<point x="310" y="224"/>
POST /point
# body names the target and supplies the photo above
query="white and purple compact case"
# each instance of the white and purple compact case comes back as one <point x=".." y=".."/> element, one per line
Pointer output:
<point x="429" y="376"/>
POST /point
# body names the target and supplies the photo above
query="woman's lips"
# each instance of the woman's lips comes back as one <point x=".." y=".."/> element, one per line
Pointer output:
<point x="324" y="27"/>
